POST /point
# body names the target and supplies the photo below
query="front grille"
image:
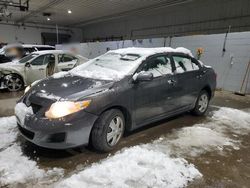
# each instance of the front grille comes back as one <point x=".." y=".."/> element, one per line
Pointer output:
<point x="26" y="132"/>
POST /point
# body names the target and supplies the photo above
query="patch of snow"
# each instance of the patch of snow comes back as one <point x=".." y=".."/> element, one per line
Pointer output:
<point x="135" y="167"/>
<point x="233" y="120"/>
<point x="150" y="165"/>
<point x="21" y="110"/>
<point x="98" y="73"/>
<point x="221" y="131"/>
<point x="97" y="84"/>
<point x="157" y="164"/>
<point x="16" y="168"/>
<point x="8" y="132"/>
<point x="193" y="141"/>
<point x="60" y="74"/>
<point x="151" y="51"/>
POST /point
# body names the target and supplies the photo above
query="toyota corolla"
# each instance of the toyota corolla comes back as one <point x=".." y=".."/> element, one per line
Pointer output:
<point x="122" y="90"/>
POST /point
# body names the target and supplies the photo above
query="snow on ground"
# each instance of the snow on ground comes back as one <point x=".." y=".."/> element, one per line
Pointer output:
<point x="8" y="132"/>
<point x="161" y="163"/>
<point x="220" y="131"/>
<point x="193" y="141"/>
<point x="232" y="120"/>
<point x="15" y="167"/>
<point x="135" y="167"/>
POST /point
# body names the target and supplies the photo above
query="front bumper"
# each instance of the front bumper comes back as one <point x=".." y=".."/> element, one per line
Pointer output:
<point x="2" y="82"/>
<point x="69" y="132"/>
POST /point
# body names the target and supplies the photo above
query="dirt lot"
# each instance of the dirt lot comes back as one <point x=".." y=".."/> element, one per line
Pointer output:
<point x="218" y="148"/>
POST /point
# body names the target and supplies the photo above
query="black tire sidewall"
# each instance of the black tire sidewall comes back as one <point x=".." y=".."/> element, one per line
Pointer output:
<point x="100" y="130"/>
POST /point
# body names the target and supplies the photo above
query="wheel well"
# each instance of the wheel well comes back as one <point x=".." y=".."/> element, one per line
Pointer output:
<point x="16" y="74"/>
<point x="208" y="90"/>
<point x="126" y="113"/>
<point x="127" y="116"/>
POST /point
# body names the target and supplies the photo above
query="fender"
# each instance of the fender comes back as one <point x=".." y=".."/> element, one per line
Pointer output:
<point x="9" y="71"/>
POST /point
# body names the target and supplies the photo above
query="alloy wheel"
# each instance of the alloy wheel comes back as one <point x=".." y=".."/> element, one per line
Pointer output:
<point x="14" y="84"/>
<point x="115" y="130"/>
<point x="203" y="103"/>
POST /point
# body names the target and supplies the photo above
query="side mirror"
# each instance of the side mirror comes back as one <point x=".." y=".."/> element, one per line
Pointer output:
<point x="27" y="64"/>
<point x="144" y="76"/>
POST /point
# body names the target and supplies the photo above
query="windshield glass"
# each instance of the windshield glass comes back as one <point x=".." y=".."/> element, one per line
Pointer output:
<point x="28" y="58"/>
<point x="110" y="66"/>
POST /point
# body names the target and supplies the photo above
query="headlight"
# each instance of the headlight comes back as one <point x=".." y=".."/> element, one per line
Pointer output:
<point x="27" y="89"/>
<point x="64" y="108"/>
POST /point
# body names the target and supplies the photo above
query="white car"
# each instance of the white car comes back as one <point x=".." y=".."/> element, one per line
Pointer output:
<point x="18" y="51"/>
<point x="38" y="65"/>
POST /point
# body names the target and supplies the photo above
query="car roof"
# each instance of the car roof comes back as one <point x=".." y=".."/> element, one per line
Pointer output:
<point x="36" y="45"/>
<point x="152" y="51"/>
<point x="53" y="52"/>
<point x="27" y="46"/>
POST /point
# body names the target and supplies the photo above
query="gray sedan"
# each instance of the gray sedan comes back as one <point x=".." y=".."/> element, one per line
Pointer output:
<point x="122" y="90"/>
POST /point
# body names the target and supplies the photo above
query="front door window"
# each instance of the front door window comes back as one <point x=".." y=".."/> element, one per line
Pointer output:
<point x="158" y="66"/>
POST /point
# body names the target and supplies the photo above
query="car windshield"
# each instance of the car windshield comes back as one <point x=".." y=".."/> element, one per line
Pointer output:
<point x="28" y="58"/>
<point x="110" y="66"/>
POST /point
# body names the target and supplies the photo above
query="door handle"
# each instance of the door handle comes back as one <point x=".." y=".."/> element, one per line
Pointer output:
<point x="171" y="81"/>
<point x="41" y="69"/>
<point x="70" y="64"/>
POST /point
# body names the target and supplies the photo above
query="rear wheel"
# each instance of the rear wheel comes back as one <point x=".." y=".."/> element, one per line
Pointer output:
<point x="108" y="130"/>
<point x="14" y="82"/>
<point x="201" y="104"/>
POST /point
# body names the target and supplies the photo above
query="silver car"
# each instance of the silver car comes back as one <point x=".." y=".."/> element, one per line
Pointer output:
<point x="38" y="65"/>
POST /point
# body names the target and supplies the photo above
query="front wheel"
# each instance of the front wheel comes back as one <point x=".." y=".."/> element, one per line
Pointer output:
<point x="201" y="104"/>
<point x="14" y="82"/>
<point x="108" y="130"/>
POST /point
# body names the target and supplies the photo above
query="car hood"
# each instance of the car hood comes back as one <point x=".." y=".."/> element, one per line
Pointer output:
<point x="69" y="87"/>
<point x="13" y="65"/>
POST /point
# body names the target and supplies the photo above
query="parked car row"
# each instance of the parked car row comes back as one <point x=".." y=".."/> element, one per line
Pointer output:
<point x="122" y="90"/>
<point x="16" y="74"/>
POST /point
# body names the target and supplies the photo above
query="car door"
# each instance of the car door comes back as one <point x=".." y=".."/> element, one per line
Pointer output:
<point x="155" y="98"/>
<point x="66" y="62"/>
<point x="187" y="73"/>
<point x="37" y="68"/>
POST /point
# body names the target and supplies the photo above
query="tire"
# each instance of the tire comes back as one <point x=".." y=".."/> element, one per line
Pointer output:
<point x="101" y="133"/>
<point x="14" y="82"/>
<point x="201" y="104"/>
